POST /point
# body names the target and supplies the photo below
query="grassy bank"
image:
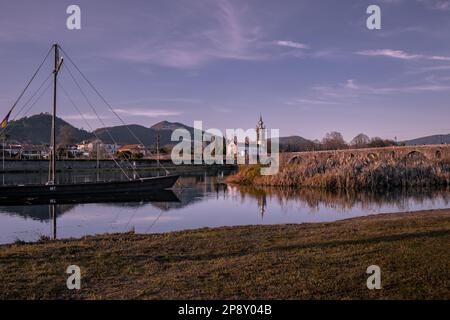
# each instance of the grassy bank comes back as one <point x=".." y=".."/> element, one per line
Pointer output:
<point x="352" y="174"/>
<point x="323" y="261"/>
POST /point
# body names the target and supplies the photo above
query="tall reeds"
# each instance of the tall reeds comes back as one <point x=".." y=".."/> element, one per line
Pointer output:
<point x="337" y="173"/>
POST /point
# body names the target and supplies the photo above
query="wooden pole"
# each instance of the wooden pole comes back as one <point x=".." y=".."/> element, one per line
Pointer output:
<point x="53" y="158"/>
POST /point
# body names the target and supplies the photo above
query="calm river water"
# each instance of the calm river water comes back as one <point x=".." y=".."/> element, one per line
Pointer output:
<point x="204" y="201"/>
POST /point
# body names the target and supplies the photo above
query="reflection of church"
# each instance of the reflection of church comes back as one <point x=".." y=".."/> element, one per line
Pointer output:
<point x="262" y="204"/>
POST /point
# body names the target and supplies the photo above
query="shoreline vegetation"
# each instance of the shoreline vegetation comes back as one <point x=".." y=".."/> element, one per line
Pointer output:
<point x="351" y="174"/>
<point x="306" y="261"/>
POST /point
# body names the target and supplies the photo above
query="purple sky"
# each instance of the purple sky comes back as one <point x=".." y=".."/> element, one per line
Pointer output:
<point x="309" y="66"/>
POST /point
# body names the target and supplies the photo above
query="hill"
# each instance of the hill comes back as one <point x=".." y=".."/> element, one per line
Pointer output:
<point x="122" y="134"/>
<point x="37" y="128"/>
<point x="435" y="139"/>
<point x="295" y="144"/>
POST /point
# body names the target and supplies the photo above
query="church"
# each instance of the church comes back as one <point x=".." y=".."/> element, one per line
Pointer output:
<point x="234" y="148"/>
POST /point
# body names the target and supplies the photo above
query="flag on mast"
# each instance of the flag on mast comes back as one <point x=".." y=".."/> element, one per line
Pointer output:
<point x="4" y="123"/>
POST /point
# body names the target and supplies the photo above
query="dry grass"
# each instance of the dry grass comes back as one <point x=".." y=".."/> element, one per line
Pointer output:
<point x="352" y="174"/>
<point x="319" y="261"/>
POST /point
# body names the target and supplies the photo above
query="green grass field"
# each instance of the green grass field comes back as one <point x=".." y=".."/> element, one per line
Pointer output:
<point x="309" y="261"/>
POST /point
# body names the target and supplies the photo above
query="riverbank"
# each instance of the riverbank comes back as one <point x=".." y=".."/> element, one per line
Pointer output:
<point x="343" y="172"/>
<point x="319" y="261"/>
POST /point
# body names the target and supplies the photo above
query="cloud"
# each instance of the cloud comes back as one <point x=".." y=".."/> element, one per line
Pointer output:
<point x="398" y="54"/>
<point x="351" y="92"/>
<point x="351" y="84"/>
<point x="290" y="44"/>
<point x="413" y="89"/>
<point x="83" y="116"/>
<point x="149" y="113"/>
<point x="442" y="5"/>
<point x="430" y="69"/>
<point x="439" y="58"/>
<point x="223" y="33"/>
<point x="312" y="102"/>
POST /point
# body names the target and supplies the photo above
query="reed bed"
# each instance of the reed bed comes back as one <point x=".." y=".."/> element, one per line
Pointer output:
<point x="352" y="174"/>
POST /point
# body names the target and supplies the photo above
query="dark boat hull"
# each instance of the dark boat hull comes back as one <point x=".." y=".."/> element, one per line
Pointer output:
<point x="90" y="189"/>
<point x="153" y="196"/>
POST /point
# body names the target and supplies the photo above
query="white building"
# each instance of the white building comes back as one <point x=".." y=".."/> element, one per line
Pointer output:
<point x="91" y="148"/>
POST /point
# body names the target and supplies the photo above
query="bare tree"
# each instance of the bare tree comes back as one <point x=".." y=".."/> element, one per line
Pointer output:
<point x="360" y="141"/>
<point x="66" y="138"/>
<point x="334" y="141"/>
<point x="378" y="142"/>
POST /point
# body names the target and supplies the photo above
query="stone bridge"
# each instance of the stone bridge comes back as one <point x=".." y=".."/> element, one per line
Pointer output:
<point x="431" y="152"/>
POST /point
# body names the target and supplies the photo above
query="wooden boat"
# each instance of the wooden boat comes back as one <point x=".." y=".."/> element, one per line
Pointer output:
<point x="88" y="189"/>
<point x="53" y="190"/>
<point x="156" y="195"/>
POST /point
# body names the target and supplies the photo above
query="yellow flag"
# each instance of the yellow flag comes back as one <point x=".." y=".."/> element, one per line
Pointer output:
<point x="5" y="121"/>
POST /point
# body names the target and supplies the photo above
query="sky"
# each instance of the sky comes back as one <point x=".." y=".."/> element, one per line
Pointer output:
<point x="308" y="66"/>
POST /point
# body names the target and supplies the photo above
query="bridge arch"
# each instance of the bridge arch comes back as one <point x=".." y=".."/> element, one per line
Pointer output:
<point x="438" y="154"/>
<point x="415" y="155"/>
<point x="296" y="160"/>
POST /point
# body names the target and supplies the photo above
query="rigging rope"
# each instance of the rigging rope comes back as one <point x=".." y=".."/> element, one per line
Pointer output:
<point x="10" y="128"/>
<point x="90" y="127"/>
<point x="98" y="117"/>
<point x="106" y="102"/>
<point x="32" y="78"/>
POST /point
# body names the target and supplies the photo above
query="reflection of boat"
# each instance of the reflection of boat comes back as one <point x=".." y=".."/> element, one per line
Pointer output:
<point x="53" y="190"/>
<point x="154" y="195"/>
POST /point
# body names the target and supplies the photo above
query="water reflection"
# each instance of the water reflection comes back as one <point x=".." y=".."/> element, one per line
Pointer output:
<point x="341" y="201"/>
<point x="203" y="200"/>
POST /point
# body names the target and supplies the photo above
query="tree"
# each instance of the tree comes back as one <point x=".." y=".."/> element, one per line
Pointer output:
<point x="124" y="155"/>
<point x="66" y="135"/>
<point x="334" y="141"/>
<point x="377" y="142"/>
<point x="66" y="138"/>
<point x="360" y="141"/>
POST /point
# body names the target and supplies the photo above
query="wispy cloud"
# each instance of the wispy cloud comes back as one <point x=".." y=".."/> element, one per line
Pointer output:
<point x="84" y="116"/>
<point x="351" y="84"/>
<point x="352" y="90"/>
<point x="440" y="58"/>
<point x="227" y="34"/>
<point x="430" y="69"/>
<point x="149" y="113"/>
<point x="442" y="5"/>
<point x="398" y="54"/>
<point x="290" y="44"/>
<point x="312" y="102"/>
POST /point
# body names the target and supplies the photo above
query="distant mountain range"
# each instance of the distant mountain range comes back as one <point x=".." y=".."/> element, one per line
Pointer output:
<point x="435" y="139"/>
<point x="36" y="130"/>
<point x="295" y="144"/>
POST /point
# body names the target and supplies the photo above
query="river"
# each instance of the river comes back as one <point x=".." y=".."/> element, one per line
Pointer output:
<point x="204" y="200"/>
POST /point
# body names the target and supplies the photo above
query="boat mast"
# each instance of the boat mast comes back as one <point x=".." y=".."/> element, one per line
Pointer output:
<point x="58" y="63"/>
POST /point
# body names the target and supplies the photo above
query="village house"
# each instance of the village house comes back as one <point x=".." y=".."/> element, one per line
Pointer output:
<point x="133" y="149"/>
<point x="25" y="151"/>
<point x="89" y="149"/>
<point x="30" y="152"/>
